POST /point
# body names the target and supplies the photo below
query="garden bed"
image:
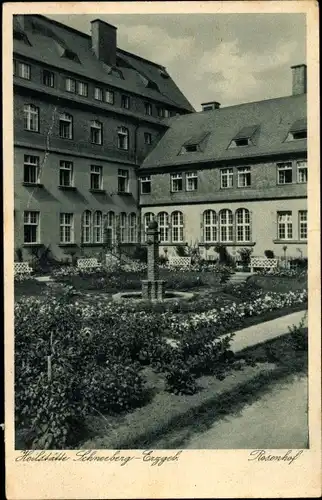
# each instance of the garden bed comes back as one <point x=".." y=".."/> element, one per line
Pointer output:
<point x="278" y="283"/>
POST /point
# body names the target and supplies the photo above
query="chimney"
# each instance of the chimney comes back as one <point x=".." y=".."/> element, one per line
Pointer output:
<point x="298" y="79"/>
<point x="210" y="106"/>
<point x="104" y="41"/>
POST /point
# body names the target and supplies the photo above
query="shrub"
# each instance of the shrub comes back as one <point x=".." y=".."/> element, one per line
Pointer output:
<point x="224" y="256"/>
<point x="245" y="254"/>
<point x="140" y="253"/>
<point x="179" y="379"/>
<point x="181" y="251"/>
<point x="269" y="254"/>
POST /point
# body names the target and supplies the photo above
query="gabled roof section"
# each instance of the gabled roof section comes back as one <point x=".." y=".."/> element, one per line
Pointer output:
<point x="45" y="35"/>
<point x="273" y="119"/>
<point x="196" y="139"/>
<point x="246" y="132"/>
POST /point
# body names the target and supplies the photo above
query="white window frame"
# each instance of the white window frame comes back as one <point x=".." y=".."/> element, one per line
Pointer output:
<point x="87" y="227"/>
<point x="109" y="96"/>
<point x="82" y="89"/>
<point x="226" y="226"/>
<point x="175" y="183"/>
<point x="282" y="168"/>
<point x="303" y="225"/>
<point x="24" y="70"/>
<point x="123" y="174"/>
<point x="243" y="226"/>
<point x="132" y="226"/>
<point x="66" y="166"/>
<point x="145" y="181"/>
<point x="31" y="165"/>
<point x="98" y="94"/>
<point x="125" y="101"/>
<point x="285" y="222"/>
<point x="65" y="125"/>
<point x="31" y="219"/>
<point x="31" y="118"/>
<point x="191" y="181"/>
<point x="123" y="227"/>
<point x="97" y="227"/>
<point x="48" y="76"/>
<point x="226" y="178"/>
<point x="163" y="223"/>
<point x="177" y="227"/>
<point x="148" y="108"/>
<point x="66" y="225"/>
<point x="96" y="132"/>
<point x="301" y="167"/>
<point x="243" y="175"/>
<point x="96" y="172"/>
<point x="123" y="138"/>
<point x="70" y="85"/>
<point x="210" y="226"/>
<point x="109" y="228"/>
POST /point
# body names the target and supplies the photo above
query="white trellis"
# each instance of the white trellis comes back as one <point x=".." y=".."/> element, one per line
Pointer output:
<point x="180" y="262"/>
<point x="87" y="263"/>
<point x="22" y="268"/>
<point x="262" y="263"/>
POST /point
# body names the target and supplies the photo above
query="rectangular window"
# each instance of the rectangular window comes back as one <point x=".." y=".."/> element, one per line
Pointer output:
<point x="48" y="78"/>
<point x="244" y="177"/>
<point x="66" y="228"/>
<point x="161" y="112"/>
<point x="96" y="133"/>
<point x="176" y="182"/>
<point x="302" y="171"/>
<point x="191" y="181"/>
<point x="109" y="96"/>
<point x="148" y="108"/>
<point x="123" y="181"/>
<point x="96" y="177"/>
<point x="98" y="94"/>
<point x="65" y="126"/>
<point x="31" y="227"/>
<point x="23" y="70"/>
<point x="66" y="174"/>
<point x="284" y="172"/>
<point x="303" y="224"/>
<point x="147" y="138"/>
<point x="31" y="169"/>
<point x="226" y="177"/>
<point x="123" y="138"/>
<point x="31" y="118"/>
<point x="284" y="226"/>
<point x="125" y="102"/>
<point x="70" y="85"/>
<point x="146" y="184"/>
<point x="166" y="113"/>
<point x="82" y="89"/>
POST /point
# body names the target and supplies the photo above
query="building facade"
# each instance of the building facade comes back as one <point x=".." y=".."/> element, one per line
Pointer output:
<point x="235" y="175"/>
<point x="86" y="114"/>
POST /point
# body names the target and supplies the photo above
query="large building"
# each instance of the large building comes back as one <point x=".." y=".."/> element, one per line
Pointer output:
<point x="86" y="114"/>
<point x="235" y="175"/>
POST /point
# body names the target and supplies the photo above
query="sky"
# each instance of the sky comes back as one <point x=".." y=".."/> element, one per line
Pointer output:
<point x="229" y="58"/>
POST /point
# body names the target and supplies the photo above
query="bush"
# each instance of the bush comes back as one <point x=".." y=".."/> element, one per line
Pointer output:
<point x="179" y="379"/>
<point x="140" y="253"/>
<point x="224" y="256"/>
<point x="269" y="254"/>
<point x="245" y="254"/>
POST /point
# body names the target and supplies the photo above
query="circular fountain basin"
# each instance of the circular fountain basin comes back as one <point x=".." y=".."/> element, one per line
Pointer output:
<point x="168" y="296"/>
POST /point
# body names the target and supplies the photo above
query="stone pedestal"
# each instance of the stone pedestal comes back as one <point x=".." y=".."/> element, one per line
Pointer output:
<point x="153" y="287"/>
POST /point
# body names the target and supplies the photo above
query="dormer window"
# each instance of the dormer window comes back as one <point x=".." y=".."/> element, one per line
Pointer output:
<point x="245" y="137"/>
<point x="194" y="144"/>
<point x="20" y="35"/>
<point x="69" y="54"/>
<point x="297" y="131"/>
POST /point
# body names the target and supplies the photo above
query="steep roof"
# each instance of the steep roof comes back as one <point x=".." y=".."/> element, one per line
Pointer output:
<point x="272" y="119"/>
<point x="49" y="34"/>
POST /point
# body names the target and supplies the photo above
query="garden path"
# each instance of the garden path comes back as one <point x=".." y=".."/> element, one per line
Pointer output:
<point x="263" y="332"/>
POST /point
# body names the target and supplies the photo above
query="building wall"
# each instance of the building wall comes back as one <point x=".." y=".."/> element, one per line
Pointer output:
<point x="263" y="185"/>
<point x="263" y="225"/>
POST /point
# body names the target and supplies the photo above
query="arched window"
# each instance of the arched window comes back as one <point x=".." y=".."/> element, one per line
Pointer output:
<point x="177" y="227"/>
<point x="97" y="227"/>
<point x="210" y="224"/>
<point x="109" y="229"/>
<point x="147" y="218"/>
<point x="226" y="226"/>
<point x="163" y="222"/>
<point x="87" y="227"/>
<point x="123" y="227"/>
<point x="132" y="228"/>
<point x="243" y="225"/>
